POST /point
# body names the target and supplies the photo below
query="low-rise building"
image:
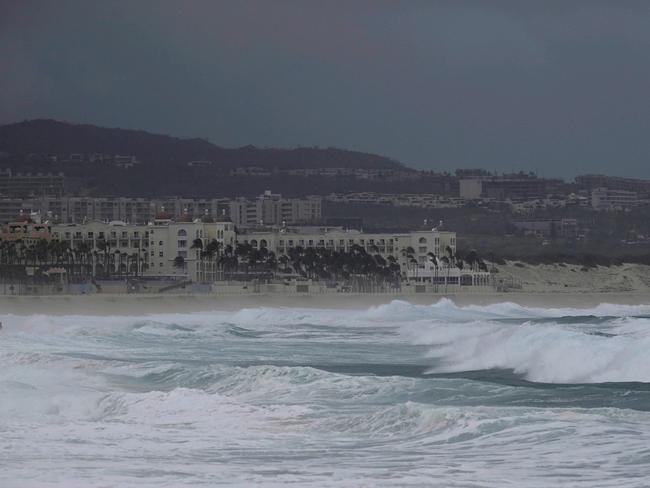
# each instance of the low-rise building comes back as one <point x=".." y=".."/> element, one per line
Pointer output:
<point x="25" y="229"/>
<point x="565" y="228"/>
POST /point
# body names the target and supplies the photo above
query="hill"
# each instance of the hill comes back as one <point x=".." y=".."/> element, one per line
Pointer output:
<point x="51" y="137"/>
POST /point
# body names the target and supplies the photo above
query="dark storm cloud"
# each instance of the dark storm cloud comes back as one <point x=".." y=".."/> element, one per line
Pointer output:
<point x="561" y="87"/>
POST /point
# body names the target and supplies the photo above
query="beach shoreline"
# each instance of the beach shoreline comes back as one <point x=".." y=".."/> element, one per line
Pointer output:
<point x="144" y="304"/>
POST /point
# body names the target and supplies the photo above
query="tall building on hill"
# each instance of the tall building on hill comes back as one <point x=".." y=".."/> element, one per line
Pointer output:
<point x="609" y="199"/>
<point x="508" y="187"/>
<point x="272" y="209"/>
<point x="31" y="184"/>
<point x="593" y="182"/>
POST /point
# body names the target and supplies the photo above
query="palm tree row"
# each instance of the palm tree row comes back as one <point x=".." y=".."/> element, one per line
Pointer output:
<point x="79" y="262"/>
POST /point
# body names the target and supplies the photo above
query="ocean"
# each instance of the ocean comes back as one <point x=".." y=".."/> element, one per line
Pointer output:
<point x="391" y="396"/>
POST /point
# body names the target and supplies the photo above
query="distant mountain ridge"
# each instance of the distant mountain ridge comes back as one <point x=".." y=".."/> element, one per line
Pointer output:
<point x="45" y="136"/>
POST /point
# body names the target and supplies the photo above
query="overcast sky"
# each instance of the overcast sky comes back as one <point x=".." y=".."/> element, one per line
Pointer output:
<point x="558" y="87"/>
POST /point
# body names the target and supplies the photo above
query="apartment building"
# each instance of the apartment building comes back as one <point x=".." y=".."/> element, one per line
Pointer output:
<point x="26" y="184"/>
<point x="272" y="209"/>
<point x="421" y="200"/>
<point x="610" y="199"/>
<point x="507" y="187"/>
<point x="592" y="182"/>
<point x="269" y="208"/>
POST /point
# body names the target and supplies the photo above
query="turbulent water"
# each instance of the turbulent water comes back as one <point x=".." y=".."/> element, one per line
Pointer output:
<point x="397" y="395"/>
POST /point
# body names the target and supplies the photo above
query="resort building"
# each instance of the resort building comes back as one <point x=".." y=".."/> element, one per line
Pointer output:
<point x="162" y="248"/>
<point x="171" y="252"/>
<point x="410" y="249"/>
<point x="26" y="230"/>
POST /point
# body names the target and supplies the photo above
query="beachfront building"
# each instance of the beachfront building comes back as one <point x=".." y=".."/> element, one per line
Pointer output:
<point x="164" y="248"/>
<point x="448" y="277"/>
<point x="174" y="252"/>
<point x="26" y="230"/>
<point x="188" y="248"/>
<point x="411" y="249"/>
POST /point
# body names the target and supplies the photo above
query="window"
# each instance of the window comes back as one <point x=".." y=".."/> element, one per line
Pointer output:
<point x="182" y="243"/>
<point x="90" y="235"/>
<point x="160" y="254"/>
<point x="182" y="233"/>
<point x="160" y="243"/>
<point x="422" y="240"/>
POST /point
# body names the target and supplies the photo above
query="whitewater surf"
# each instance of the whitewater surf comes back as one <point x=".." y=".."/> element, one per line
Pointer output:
<point x="395" y="395"/>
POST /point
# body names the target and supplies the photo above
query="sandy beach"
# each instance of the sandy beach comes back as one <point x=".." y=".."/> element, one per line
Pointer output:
<point x="543" y="286"/>
<point x="148" y="304"/>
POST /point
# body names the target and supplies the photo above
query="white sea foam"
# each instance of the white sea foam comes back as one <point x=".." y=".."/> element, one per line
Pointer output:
<point x="543" y="352"/>
<point x="309" y="397"/>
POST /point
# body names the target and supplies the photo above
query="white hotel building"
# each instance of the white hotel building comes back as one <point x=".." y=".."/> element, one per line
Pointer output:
<point x="417" y="243"/>
<point x="154" y="248"/>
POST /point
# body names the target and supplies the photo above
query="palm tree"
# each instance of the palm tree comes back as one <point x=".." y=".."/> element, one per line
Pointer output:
<point x="179" y="262"/>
